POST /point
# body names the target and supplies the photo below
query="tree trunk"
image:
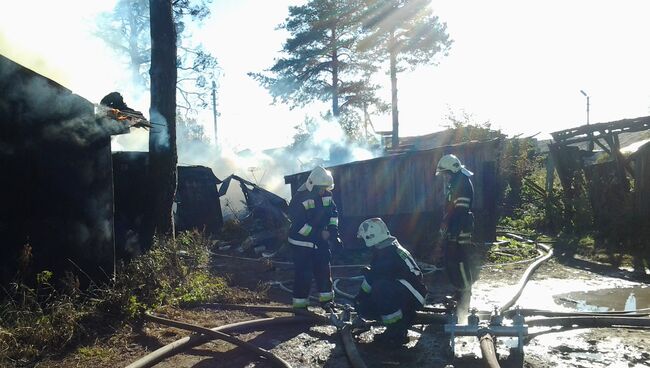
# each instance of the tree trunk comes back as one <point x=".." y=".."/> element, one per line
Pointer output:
<point x="335" y="75"/>
<point x="393" y="88"/>
<point x="162" y="137"/>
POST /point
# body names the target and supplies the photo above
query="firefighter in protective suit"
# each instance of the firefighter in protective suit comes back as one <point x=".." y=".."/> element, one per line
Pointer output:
<point x="314" y="226"/>
<point x="456" y="229"/>
<point x="393" y="288"/>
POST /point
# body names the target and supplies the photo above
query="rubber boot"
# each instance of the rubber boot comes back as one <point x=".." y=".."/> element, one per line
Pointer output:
<point x="395" y="334"/>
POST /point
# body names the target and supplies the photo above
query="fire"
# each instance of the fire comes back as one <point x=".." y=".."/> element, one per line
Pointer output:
<point x="134" y="120"/>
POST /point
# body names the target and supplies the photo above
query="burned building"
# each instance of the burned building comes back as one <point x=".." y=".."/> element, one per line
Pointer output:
<point x="403" y="190"/>
<point x="55" y="159"/>
<point x="197" y="201"/>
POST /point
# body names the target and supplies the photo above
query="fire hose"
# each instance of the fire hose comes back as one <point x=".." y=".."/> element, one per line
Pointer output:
<point x="272" y="358"/>
<point x="189" y="342"/>
<point x="526" y="276"/>
<point x="488" y="351"/>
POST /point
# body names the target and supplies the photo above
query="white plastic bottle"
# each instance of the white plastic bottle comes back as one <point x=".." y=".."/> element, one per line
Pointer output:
<point x="630" y="303"/>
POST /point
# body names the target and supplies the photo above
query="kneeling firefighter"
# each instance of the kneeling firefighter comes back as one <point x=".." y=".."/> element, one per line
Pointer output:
<point x="314" y="226"/>
<point x="392" y="289"/>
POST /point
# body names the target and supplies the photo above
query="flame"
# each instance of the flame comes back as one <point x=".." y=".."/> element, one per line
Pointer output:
<point x="134" y="120"/>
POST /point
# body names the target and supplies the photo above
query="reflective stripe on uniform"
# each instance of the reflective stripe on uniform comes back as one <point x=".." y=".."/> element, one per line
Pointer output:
<point x="365" y="286"/>
<point x="305" y="230"/>
<point x="389" y="319"/>
<point x="325" y="297"/>
<point x="300" y="302"/>
<point x="462" y="202"/>
<point x="334" y="221"/>
<point x="413" y="291"/>
<point x="406" y="257"/>
<point x="308" y="204"/>
<point x="327" y="201"/>
<point x="301" y="243"/>
<point x="464" y="238"/>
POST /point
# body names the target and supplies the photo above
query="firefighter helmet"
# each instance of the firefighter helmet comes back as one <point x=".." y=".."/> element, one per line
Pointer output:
<point x="452" y="164"/>
<point x="373" y="231"/>
<point x="319" y="176"/>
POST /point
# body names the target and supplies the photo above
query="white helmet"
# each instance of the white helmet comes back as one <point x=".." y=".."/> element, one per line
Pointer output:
<point x="373" y="231"/>
<point x="319" y="177"/>
<point x="451" y="163"/>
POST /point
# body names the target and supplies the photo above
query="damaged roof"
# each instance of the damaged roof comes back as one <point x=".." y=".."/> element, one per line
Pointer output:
<point x="35" y="109"/>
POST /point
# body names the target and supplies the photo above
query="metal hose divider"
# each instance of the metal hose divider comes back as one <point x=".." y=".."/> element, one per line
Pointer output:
<point x="194" y="340"/>
<point x="272" y="358"/>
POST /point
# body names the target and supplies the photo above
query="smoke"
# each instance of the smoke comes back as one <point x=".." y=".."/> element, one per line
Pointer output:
<point x="159" y="132"/>
<point x="326" y="145"/>
<point x="39" y="111"/>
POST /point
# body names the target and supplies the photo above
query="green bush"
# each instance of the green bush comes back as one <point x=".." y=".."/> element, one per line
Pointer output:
<point x="44" y="320"/>
<point x="511" y="251"/>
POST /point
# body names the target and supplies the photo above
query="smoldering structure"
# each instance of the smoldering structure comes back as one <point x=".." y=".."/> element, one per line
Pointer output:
<point x="402" y="189"/>
<point x="55" y="158"/>
<point x="197" y="202"/>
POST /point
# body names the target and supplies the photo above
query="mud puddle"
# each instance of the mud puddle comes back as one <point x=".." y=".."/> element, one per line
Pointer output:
<point x="605" y="300"/>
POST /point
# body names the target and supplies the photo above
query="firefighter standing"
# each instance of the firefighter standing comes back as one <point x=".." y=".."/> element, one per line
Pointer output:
<point x="456" y="229"/>
<point x="314" y="225"/>
<point x="393" y="288"/>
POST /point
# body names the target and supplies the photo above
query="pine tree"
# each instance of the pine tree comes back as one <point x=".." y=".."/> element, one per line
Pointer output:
<point x="406" y="33"/>
<point x="321" y="61"/>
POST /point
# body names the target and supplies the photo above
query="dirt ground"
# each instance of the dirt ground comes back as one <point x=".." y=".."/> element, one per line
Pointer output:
<point x="556" y="285"/>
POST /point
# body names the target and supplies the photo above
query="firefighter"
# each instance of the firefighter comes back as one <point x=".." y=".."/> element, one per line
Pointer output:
<point x="456" y="229"/>
<point x="392" y="289"/>
<point x="314" y="226"/>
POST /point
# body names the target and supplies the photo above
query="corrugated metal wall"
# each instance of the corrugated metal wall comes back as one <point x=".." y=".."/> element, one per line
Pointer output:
<point x="403" y="190"/>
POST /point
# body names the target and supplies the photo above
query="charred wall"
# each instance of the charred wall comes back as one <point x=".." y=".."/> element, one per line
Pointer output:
<point x="55" y="160"/>
<point x="197" y="198"/>
<point x="403" y="190"/>
<point x="131" y="180"/>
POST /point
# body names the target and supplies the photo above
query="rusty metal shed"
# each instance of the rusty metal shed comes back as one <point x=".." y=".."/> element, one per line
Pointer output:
<point x="404" y="191"/>
<point x="57" y="188"/>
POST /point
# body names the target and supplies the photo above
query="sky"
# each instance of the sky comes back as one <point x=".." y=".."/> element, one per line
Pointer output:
<point x="518" y="64"/>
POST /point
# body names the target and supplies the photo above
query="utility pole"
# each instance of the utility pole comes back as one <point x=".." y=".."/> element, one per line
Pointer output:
<point x="214" y="109"/>
<point x="585" y="94"/>
<point x="591" y="142"/>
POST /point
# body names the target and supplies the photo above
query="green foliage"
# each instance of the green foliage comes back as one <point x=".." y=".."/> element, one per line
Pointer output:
<point x="322" y="62"/>
<point x="95" y="353"/>
<point x="403" y="31"/>
<point x="43" y="320"/>
<point x="511" y="251"/>
<point x="38" y="320"/>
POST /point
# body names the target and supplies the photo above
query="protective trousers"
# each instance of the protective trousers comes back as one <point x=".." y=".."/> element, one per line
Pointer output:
<point x="389" y="302"/>
<point x="311" y="263"/>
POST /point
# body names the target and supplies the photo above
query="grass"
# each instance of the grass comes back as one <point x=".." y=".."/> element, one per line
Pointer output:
<point x="511" y="251"/>
<point x="40" y="321"/>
